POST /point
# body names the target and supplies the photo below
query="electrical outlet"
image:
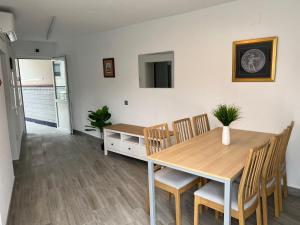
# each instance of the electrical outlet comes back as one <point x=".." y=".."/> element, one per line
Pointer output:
<point x="126" y="102"/>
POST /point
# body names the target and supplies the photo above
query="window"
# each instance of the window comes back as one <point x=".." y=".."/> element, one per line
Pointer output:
<point x="56" y="69"/>
<point x="156" y="70"/>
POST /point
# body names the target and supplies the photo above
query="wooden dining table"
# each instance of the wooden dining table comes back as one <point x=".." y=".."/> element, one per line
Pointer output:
<point x="206" y="156"/>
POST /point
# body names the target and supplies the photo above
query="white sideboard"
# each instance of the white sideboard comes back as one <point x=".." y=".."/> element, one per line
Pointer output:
<point x="125" y="139"/>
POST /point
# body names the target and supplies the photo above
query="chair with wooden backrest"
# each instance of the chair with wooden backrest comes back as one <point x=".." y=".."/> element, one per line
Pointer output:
<point x="270" y="175"/>
<point x="182" y="130"/>
<point x="245" y="197"/>
<point x="175" y="182"/>
<point x="282" y="164"/>
<point x="200" y="124"/>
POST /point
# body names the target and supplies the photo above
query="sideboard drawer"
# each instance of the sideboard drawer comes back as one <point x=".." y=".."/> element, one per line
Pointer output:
<point x="130" y="148"/>
<point x="113" y="143"/>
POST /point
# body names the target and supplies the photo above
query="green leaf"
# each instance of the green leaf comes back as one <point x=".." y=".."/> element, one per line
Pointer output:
<point x="99" y="118"/>
<point x="227" y="114"/>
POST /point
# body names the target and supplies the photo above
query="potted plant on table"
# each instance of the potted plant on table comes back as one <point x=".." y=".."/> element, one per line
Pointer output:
<point x="226" y="114"/>
<point x="98" y="120"/>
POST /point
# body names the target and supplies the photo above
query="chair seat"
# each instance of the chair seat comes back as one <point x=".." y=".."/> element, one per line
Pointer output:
<point x="214" y="191"/>
<point x="174" y="178"/>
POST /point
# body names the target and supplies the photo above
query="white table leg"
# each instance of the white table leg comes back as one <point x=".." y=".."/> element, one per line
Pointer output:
<point x="227" y="203"/>
<point x="151" y="192"/>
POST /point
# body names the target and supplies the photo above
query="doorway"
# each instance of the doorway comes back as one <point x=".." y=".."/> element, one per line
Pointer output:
<point x="45" y="95"/>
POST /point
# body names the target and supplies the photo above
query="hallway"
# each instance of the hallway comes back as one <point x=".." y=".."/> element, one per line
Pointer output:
<point x="66" y="180"/>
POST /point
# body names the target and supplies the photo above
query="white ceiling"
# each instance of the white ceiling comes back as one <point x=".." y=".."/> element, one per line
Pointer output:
<point x="77" y="17"/>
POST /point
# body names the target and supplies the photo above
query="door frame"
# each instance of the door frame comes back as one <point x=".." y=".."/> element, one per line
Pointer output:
<point x="21" y="87"/>
<point x="18" y="58"/>
<point x="67" y="83"/>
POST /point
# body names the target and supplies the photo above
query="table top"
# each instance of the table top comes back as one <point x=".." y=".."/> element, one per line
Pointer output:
<point x="205" y="154"/>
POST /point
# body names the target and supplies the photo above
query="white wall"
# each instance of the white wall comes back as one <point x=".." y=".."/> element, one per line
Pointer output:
<point x="26" y="49"/>
<point x="6" y="168"/>
<point x="15" y="113"/>
<point x="202" y="42"/>
<point x="36" y="72"/>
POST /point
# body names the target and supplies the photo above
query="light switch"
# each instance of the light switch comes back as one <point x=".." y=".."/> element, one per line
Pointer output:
<point x="126" y="102"/>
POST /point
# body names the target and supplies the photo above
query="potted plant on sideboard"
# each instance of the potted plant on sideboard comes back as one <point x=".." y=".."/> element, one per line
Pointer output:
<point x="99" y="119"/>
<point x="226" y="114"/>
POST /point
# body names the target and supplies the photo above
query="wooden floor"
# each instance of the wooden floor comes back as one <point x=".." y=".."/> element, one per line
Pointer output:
<point x="66" y="180"/>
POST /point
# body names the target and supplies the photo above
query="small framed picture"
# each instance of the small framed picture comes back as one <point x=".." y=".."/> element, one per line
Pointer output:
<point x="109" y="67"/>
<point x="254" y="60"/>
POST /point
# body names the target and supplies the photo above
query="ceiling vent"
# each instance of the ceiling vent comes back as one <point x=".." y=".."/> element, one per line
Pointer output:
<point x="7" y="25"/>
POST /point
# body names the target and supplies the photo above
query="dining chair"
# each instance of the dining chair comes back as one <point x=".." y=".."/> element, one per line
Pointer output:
<point x="182" y="130"/>
<point x="282" y="165"/>
<point x="269" y="177"/>
<point x="157" y="138"/>
<point x="200" y="124"/>
<point x="245" y="196"/>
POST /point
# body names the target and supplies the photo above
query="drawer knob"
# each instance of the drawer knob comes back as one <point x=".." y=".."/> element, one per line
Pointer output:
<point x="112" y="143"/>
<point x="129" y="148"/>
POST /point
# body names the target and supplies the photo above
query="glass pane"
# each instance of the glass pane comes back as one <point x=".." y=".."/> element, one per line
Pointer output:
<point x="59" y="70"/>
<point x="19" y="83"/>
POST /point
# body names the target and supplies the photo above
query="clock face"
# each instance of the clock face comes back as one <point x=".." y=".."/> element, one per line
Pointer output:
<point x="253" y="60"/>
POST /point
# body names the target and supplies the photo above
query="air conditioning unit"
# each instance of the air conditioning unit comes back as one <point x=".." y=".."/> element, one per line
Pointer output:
<point x="7" y="25"/>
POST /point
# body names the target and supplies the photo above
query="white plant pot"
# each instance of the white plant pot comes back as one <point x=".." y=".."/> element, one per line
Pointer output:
<point x="226" y="135"/>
